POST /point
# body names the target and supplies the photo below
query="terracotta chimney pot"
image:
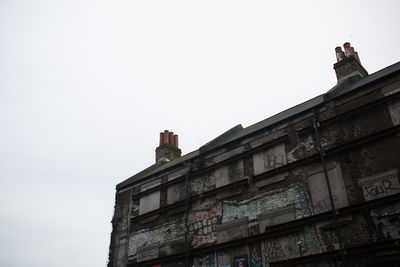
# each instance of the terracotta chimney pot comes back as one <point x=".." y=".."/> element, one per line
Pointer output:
<point x="171" y="138"/>
<point x="176" y="141"/>
<point x="161" y="139"/>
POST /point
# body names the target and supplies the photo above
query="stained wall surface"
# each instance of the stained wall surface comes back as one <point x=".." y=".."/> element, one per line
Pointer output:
<point x="265" y="199"/>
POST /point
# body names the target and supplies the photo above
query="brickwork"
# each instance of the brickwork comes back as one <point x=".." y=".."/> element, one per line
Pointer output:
<point x="264" y="197"/>
<point x="120" y="225"/>
<point x="167" y="152"/>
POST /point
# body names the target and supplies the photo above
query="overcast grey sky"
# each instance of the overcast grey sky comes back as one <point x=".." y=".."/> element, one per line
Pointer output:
<point x="87" y="85"/>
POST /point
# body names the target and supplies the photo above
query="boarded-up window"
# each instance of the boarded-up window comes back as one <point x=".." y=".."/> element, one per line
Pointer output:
<point x="149" y="202"/>
<point x="269" y="159"/>
<point x="176" y="192"/>
<point x="219" y="177"/>
<point x="228" y="174"/>
<point x="319" y="189"/>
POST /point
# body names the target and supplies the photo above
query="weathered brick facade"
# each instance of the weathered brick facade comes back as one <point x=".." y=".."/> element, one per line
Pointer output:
<point x="260" y="195"/>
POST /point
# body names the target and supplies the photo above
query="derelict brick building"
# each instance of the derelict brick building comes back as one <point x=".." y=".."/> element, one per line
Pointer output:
<point x="315" y="185"/>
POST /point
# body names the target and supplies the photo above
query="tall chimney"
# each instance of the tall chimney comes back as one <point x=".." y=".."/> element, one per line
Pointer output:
<point x="348" y="62"/>
<point x="168" y="149"/>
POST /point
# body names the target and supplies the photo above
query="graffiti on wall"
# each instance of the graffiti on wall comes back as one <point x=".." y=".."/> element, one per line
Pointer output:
<point x="202" y="225"/>
<point x="387" y="221"/>
<point x="290" y="246"/>
<point x="267" y="202"/>
<point x="255" y="257"/>
<point x="380" y="189"/>
<point x="176" y="193"/>
<point x="161" y="234"/>
<point x="206" y="260"/>
<point x="324" y="204"/>
<point x="319" y="188"/>
<point x="269" y="159"/>
<point x="380" y="185"/>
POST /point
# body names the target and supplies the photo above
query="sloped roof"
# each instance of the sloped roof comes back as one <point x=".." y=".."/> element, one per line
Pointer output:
<point x="350" y="84"/>
<point x="157" y="167"/>
<point x="359" y="83"/>
<point x="225" y="137"/>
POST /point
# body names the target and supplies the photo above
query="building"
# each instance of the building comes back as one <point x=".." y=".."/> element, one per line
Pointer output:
<point x="315" y="185"/>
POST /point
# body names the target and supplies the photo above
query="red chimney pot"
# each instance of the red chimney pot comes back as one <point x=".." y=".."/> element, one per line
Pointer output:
<point x="339" y="54"/>
<point x="176" y="141"/>
<point x="171" y="138"/>
<point x="161" y="139"/>
<point x="347" y="49"/>
<point x="166" y="137"/>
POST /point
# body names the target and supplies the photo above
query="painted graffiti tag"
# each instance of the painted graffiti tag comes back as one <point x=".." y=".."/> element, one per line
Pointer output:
<point x="325" y="204"/>
<point x="207" y="260"/>
<point x="202" y="225"/>
<point x="379" y="189"/>
<point x="269" y="159"/>
<point x="272" y="161"/>
<point x="255" y="255"/>
<point x="286" y="247"/>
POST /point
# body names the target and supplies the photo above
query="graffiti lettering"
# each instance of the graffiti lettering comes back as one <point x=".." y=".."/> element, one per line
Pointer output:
<point x="272" y="161"/>
<point x="286" y="247"/>
<point x="255" y="255"/>
<point x="381" y="188"/>
<point x="202" y="225"/>
<point x="205" y="260"/>
<point x="325" y="204"/>
<point x="269" y="159"/>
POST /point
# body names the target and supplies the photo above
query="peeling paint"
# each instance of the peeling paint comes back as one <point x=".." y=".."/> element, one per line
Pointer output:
<point x="267" y="202"/>
<point x="202" y="225"/>
<point x="161" y="234"/>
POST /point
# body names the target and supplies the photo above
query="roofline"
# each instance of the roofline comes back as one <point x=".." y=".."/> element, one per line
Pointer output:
<point x="349" y="85"/>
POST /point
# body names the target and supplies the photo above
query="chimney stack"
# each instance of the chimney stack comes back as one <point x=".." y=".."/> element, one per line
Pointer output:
<point x="168" y="149"/>
<point x="348" y="62"/>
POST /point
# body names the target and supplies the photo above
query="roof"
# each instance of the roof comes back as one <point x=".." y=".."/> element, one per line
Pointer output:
<point x="351" y="83"/>
<point x="357" y="84"/>
<point x="347" y="85"/>
<point x="225" y="137"/>
<point x="269" y="121"/>
<point x="157" y="167"/>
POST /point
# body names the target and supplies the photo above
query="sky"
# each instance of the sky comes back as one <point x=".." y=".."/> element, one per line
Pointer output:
<point x="87" y="86"/>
